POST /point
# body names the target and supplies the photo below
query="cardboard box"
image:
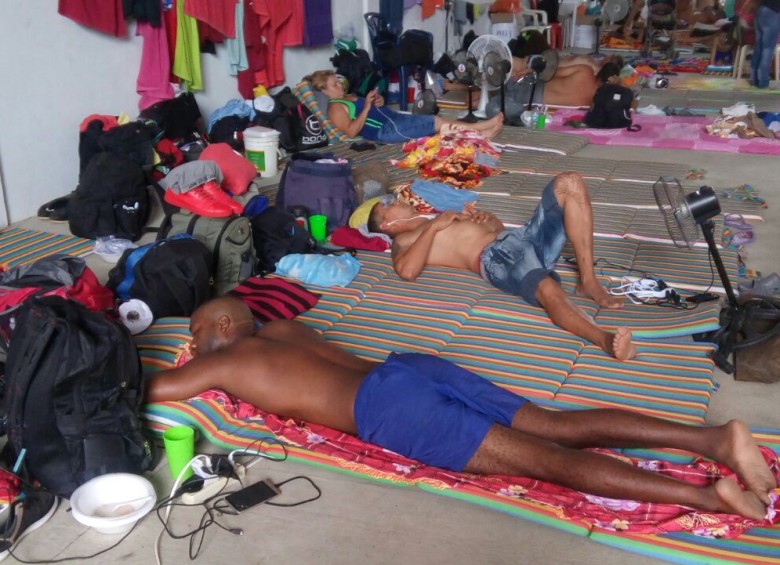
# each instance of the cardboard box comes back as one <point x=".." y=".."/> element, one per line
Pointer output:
<point x="502" y="24"/>
<point x="502" y="18"/>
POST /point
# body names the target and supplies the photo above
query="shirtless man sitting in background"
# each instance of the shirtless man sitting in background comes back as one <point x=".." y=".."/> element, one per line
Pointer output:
<point x="431" y="410"/>
<point x="519" y="261"/>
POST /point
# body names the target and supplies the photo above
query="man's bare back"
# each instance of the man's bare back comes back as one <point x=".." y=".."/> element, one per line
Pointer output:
<point x="285" y="368"/>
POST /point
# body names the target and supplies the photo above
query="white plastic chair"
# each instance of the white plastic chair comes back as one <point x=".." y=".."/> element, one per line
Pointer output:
<point x="742" y="54"/>
<point x="534" y="20"/>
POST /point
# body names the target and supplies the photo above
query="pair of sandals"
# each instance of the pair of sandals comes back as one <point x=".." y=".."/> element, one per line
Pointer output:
<point x="56" y="210"/>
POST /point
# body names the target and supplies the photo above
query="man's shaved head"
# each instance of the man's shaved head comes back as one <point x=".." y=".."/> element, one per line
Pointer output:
<point x="218" y="323"/>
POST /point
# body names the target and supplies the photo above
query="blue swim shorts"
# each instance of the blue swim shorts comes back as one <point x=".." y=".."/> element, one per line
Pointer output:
<point x="429" y="409"/>
<point x="519" y="258"/>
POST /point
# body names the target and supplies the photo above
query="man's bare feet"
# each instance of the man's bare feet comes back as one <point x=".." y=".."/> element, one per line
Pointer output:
<point x="620" y="346"/>
<point x="741" y="454"/>
<point x="599" y="295"/>
<point x="736" y="501"/>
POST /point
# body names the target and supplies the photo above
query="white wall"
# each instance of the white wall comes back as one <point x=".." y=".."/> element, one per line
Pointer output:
<point x="56" y="72"/>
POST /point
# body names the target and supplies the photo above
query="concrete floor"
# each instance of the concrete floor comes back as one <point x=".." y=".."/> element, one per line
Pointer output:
<point x="357" y="521"/>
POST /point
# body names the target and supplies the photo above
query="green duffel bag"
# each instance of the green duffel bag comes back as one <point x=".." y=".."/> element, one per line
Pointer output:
<point x="228" y="239"/>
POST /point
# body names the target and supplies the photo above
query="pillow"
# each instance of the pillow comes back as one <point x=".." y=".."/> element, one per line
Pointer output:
<point x="361" y="213"/>
<point x="237" y="171"/>
<point x="306" y="94"/>
<point x="322" y="99"/>
<point x="274" y="298"/>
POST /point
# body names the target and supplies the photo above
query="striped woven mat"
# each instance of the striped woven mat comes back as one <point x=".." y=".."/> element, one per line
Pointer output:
<point x="456" y="315"/>
<point x="616" y="193"/>
<point x="592" y="381"/>
<point x="21" y="247"/>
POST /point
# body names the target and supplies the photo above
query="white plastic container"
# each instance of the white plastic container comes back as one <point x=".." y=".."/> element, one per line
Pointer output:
<point x="261" y="146"/>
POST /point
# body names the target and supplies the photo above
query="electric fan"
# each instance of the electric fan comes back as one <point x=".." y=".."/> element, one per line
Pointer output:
<point x="743" y="324"/>
<point x="543" y="68"/>
<point x="466" y="72"/>
<point x="479" y="50"/>
<point x="425" y="102"/>
<point x="497" y="70"/>
<point x="612" y="11"/>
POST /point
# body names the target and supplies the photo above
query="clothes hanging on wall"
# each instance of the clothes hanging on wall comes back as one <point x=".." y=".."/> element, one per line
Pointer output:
<point x="291" y="34"/>
<point x="186" y="59"/>
<point x="152" y="83"/>
<point x="273" y="15"/>
<point x="219" y="14"/>
<point x="102" y="15"/>
<point x="143" y="11"/>
<point x="255" y="52"/>
<point x="318" y="25"/>
<point x="429" y="7"/>
<point x="238" y="60"/>
<point x="170" y="23"/>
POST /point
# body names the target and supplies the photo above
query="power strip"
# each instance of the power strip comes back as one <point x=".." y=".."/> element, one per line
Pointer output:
<point x="214" y="486"/>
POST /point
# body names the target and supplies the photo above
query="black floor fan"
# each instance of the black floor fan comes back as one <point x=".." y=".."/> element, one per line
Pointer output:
<point x="743" y="323"/>
<point x="466" y="72"/>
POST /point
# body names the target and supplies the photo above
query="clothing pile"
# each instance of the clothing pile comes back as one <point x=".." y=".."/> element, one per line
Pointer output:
<point x="740" y="121"/>
<point x="461" y="158"/>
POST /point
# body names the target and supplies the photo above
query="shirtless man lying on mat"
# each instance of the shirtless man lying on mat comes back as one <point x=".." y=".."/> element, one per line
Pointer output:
<point x="519" y="261"/>
<point x="431" y="410"/>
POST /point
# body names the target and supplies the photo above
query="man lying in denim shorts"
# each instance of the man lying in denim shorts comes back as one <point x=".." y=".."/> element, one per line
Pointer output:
<point x="519" y="261"/>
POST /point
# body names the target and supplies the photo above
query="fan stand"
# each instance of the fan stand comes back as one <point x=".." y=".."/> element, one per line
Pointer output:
<point x="597" y="23"/>
<point x="738" y="321"/>
<point x="470" y="117"/>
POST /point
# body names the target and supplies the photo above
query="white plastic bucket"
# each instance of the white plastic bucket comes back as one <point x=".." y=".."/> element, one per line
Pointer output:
<point x="261" y="146"/>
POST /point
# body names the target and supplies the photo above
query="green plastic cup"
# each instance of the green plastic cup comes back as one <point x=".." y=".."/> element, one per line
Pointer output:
<point x="318" y="227"/>
<point x="179" y="448"/>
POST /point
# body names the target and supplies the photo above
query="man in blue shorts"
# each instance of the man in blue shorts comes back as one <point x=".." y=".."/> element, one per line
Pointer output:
<point x="431" y="410"/>
<point x="519" y="261"/>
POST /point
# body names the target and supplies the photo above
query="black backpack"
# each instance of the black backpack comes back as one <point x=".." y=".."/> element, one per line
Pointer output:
<point x="611" y="108"/>
<point x="230" y="130"/>
<point x="172" y="276"/>
<point x="299" y="129"/>
<point x="111" y="199"/>
<point x="73" y="390"/>
<point x="178" y="118"/>
<point x="356" y="66"/>
<point x="275" y="235"/>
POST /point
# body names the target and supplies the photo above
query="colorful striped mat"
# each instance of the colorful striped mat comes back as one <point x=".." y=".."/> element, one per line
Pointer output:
<point x="21" y="246"/>
<point x="756" y="546"/>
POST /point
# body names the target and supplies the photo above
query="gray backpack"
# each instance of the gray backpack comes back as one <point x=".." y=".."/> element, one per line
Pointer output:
<point x="228" y="239"/>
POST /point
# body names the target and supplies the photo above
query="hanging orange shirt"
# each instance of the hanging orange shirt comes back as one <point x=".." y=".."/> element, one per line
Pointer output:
<point x="429" y="7"/>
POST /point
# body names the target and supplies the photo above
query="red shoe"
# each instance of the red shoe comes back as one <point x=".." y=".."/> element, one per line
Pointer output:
<point x="222" y="197"/>
<point x="198" y="201"/>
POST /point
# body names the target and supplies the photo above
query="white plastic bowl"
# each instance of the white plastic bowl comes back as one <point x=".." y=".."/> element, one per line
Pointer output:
<point x="113" y="503"/>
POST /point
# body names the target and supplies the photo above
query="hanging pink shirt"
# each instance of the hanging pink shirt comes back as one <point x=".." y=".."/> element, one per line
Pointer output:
<point x="153" y="84"/>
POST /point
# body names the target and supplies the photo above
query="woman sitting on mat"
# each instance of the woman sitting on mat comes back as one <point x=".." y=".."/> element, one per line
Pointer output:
<point x="369" y="118"/>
